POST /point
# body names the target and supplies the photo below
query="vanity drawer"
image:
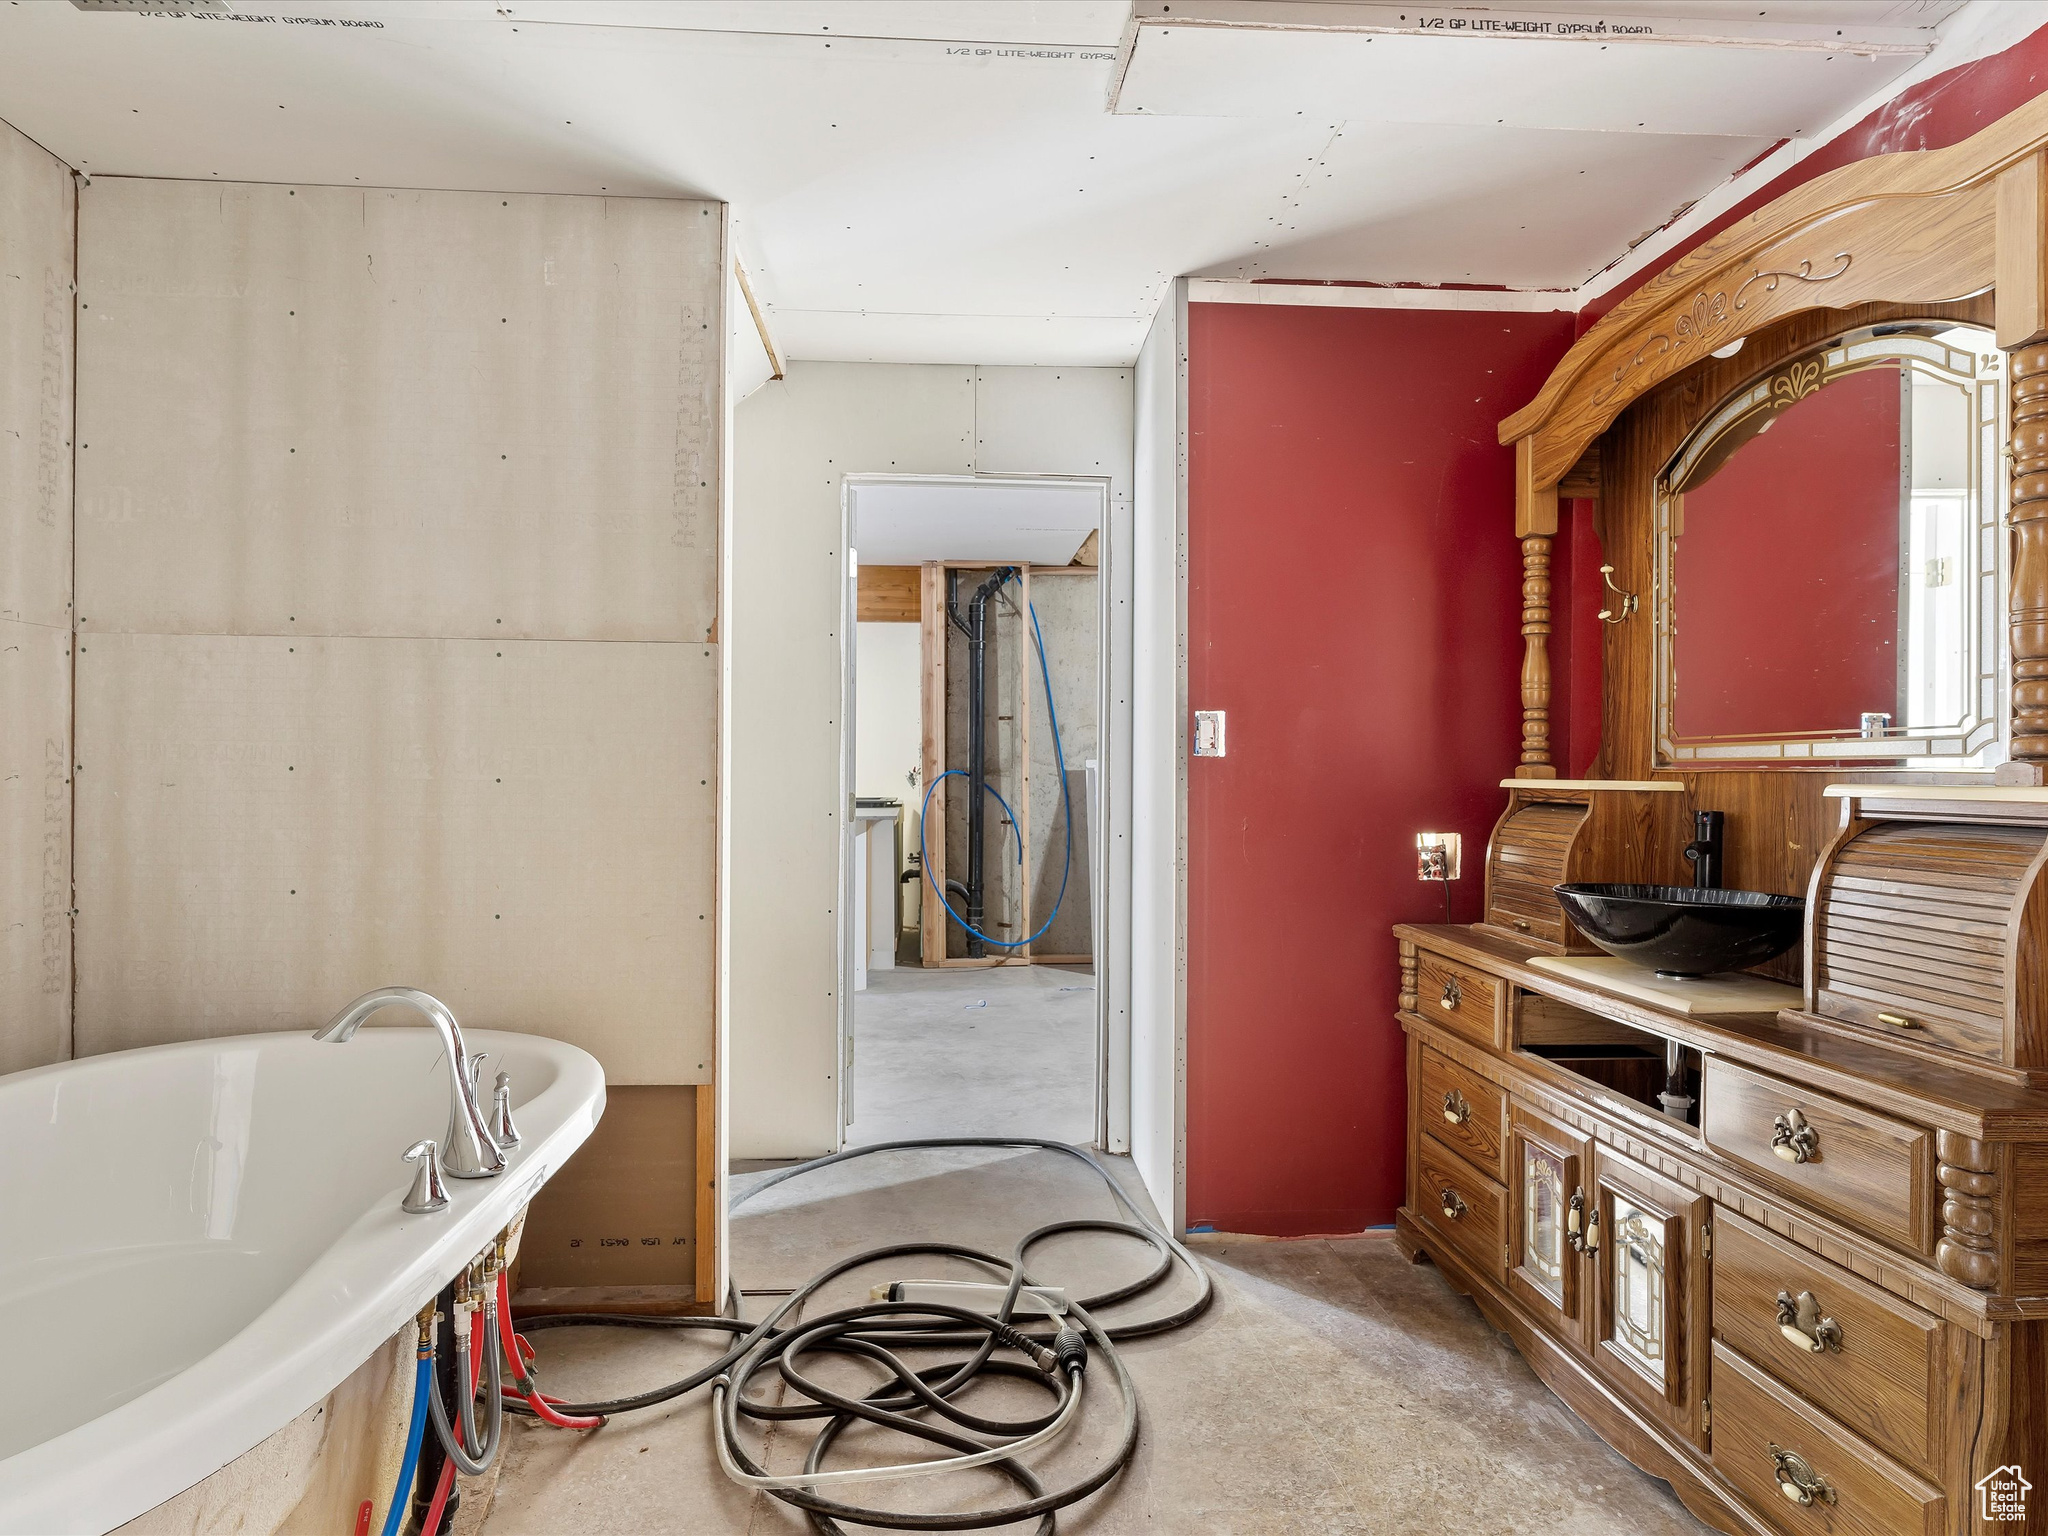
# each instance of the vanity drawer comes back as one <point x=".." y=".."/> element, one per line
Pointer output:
<point x="1467" y="1207"/>
<point x="1868" y="1169"/>
<point x="1462" y="1110"/>
<point x="1466" y="1002"/>
<point x="1880" y="1365"/>
<point x="1866" y="1493"/>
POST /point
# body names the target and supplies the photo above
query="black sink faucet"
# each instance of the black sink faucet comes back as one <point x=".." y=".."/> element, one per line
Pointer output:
<point x="1704" y="851"/>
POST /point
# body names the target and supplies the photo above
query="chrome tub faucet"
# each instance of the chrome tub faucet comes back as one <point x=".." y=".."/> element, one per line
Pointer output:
<point x="471" y="1151"/>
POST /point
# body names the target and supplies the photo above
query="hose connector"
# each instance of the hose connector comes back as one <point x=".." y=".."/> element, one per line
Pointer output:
<point x="1071" y="1350"/>
<point x="1025" y="1345"/>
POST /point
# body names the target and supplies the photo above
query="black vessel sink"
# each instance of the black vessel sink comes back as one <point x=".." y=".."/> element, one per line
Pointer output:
<point x="1680" y="931"/>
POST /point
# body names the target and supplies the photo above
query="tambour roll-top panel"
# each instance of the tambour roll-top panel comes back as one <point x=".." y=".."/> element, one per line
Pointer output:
<point x="1917" y="929"/>
<point x="1526" y="860"/>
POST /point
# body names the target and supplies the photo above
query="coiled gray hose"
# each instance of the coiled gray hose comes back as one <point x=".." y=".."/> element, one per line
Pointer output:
<point x="876" y="1329"/>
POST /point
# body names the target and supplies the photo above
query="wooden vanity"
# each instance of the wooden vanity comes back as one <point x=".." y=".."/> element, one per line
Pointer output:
<point x="1806" y="1282"/>
<point x="1828" y="1278"/>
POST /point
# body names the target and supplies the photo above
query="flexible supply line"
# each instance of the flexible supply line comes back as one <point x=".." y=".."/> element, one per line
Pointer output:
<point x="472" y="1453"/>
<point x="422" y="1394"/>
<point x="877" y="1330"/>
<point x="1066" y="801"/>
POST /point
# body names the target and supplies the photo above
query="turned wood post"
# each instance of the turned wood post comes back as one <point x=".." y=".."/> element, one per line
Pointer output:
<point x="1535" y="526"/>
<point x="1536" y="659"/>
<point x="2021" y="265"/>
<point x="2028" y="515"/>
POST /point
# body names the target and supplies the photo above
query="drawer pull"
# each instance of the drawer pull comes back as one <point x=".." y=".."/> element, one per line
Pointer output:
<point x="1803" y="1325"/>
<point x="1521" y="925"/>
<point x="1793" y="1139"/>
<point x="1796" y="1478"/>
<point x="1452" y="996"/>
<point x="1454" y="1208"/>
<point x="1898" y="1021"/>
<point x="1456" y="1110"/>
<point x="1575" y="1221"/>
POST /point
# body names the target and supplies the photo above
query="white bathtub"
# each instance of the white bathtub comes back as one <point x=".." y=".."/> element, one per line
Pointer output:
<point x="199" y="1242"/>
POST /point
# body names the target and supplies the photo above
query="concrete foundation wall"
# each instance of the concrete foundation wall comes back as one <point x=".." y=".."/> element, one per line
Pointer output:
<point x="795" y="441"/>
<point x="36" y="216"/>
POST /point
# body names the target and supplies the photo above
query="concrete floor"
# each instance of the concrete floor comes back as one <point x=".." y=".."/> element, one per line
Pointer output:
<point x="1332" y="1388"/>
<point x="1008" y="1051"/>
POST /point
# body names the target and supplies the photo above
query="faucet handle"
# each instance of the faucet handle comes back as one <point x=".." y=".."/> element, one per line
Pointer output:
<point x="426" y="1193"/>
<point x="503" y="1131"/>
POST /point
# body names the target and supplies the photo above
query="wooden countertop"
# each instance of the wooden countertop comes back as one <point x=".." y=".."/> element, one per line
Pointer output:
<point x="1950" y="1098"/>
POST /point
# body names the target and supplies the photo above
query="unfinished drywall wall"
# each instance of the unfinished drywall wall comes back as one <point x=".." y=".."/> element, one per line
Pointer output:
<point x="272" y="825"/>
<point x="369" y="412"/>
<point x="398" y="578"/>
<point x="795" y="441"/>
<point x="1156" y="914"/>
<point x="36" y="204"/>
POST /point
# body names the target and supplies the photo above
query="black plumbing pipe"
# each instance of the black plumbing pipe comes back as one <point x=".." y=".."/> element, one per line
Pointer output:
<point x="976" y="628"/>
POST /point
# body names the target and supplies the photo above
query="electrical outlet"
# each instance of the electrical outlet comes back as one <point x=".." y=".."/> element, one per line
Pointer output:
<point x="1208" y="733"/>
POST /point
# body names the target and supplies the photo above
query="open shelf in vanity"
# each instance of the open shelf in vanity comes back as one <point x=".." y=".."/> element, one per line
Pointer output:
<point x="1616" y="1061"/>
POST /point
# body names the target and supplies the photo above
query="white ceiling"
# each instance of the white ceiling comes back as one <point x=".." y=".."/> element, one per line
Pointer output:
<point x="988" y="521"/>
<point x="945" y="180"/>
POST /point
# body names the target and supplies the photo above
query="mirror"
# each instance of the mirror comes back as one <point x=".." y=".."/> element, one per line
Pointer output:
<point x="1830" y="581"/>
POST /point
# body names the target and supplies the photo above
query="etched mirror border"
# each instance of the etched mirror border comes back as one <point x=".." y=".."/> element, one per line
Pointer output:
<point x="1981" y="372"/>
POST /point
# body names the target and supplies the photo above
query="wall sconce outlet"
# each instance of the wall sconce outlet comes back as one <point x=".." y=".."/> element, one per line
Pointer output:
<point x="1438" y="855"/>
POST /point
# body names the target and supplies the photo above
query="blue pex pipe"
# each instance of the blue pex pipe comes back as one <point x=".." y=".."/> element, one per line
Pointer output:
<point x="1066" y="802"/>
<point x="401" y="1498"/>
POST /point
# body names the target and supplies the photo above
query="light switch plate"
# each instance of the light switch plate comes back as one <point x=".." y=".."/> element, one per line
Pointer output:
<point x="1208" y="733"/>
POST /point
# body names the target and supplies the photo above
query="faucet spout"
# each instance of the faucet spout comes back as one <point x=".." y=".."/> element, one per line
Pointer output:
<point x="1704" y="851"/>
<point x="470" y="1153"/>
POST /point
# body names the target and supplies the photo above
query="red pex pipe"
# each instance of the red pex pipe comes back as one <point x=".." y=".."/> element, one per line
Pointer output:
<point x="513" y="1357"/>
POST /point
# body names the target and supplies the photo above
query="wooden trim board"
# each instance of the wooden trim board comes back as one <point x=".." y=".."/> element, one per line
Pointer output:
<point x="889" y="594"/>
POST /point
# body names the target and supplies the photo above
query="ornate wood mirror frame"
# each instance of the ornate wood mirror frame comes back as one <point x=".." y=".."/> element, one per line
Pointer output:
<point x="1958" y="233"/>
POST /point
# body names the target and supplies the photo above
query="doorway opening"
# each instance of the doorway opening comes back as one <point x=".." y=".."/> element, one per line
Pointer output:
<point x="976" y="713"/>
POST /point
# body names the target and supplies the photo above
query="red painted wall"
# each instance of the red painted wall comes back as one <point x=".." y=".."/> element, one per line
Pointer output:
<point x="1787" y="573"/>
<point x="1353" y="604"/>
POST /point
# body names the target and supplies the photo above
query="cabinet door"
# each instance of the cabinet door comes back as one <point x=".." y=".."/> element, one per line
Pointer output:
<point x="1650" y="1289"/>
<point x="1550" y="1197"/>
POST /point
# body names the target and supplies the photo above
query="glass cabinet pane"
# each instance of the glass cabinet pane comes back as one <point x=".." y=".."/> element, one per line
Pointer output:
<point x="1543" y="1226"/>
<point x="1639" y="1286"/>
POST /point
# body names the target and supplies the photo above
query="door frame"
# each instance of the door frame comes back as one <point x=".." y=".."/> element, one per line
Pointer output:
<point x="1108" y="829"/>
